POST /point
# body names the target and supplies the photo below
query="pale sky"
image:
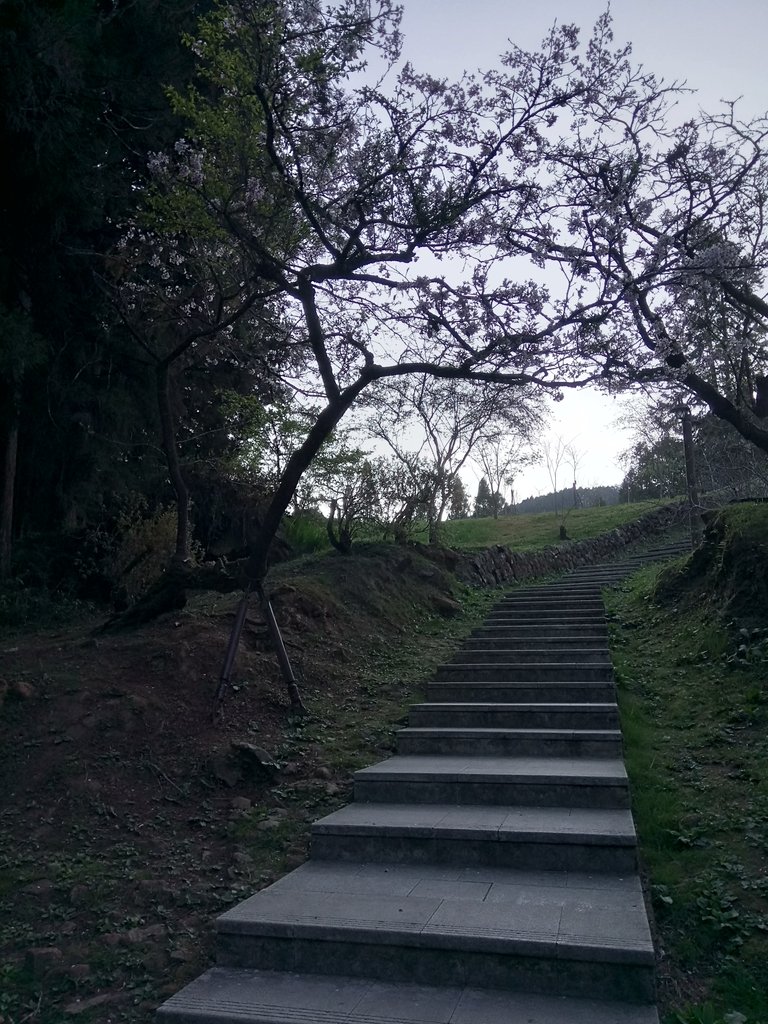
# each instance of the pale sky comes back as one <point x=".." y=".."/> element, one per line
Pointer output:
<point x="718" y="49"/>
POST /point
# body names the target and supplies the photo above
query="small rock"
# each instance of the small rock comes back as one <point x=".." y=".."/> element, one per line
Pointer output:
<point x="332" y="789"/>
<point x="225" y="770"/>
<point x="42" y="887"/>
<point x="240" y="803"/>
<point x="241" y="858"/>
<point x="150" y="931"/>
<point x="152" y="885"/>
<point x="266" y="825"/>
<point x="42" y="959"/>
<point x="192" y="921"/>
<point x="155" y="960"/>
<point x="323" y="773"/>
<point x="78" y="972"/>
<point x="291" y="768"/>
<point x="294" y="860"/>
<point x="81" y="1005"/>
<point x="446" y="605"/>
<point x="183" y="956"/>
<point x="257" y="757"/>
<point x="21" y="690"/>
<point x="79" y="894"/>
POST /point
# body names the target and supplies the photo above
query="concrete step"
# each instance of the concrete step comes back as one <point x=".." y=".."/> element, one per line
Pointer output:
<point x="514" y="716"/>
<point x="230" y="996"/>
<point x="500" y="742"/>
<point x="564" y="588"/>
<point x="474" y="652"/>
<point x="557" y="934"/>
<point x="534" y="672"/>
<point x="524" y="838"/>
<point x="532" y="602"/>
<point x="585" y="576"/>
<point x="475" y="691"/>
<point x="556" y="632"/>
<point x="522" y="639"/>
<point x="525" y="781"/>
<point x="545" y="617"/>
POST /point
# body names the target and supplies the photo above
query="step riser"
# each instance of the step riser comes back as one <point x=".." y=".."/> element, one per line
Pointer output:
<point x="507" y="746"/>
<point x="592" y="595"/>
<point x="595" y="579"/>
<point x="549" y="606"/>
<point x="512" y="971"/>
<point x="588" y="858"/>
<point x="468" y="693"/>
<point x="516" y="637"/>
<point x="492" y="719"/>
<point x="547" y="619"/>
<point x="531" y="673"/>
<point x="509" y="794"/>
<point x="527" y="656"/>
<point x="563" y="634"/>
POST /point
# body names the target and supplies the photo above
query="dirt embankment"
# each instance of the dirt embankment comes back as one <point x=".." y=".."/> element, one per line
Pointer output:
<point x="729" y="571"/>
<point x="128" y="818"/>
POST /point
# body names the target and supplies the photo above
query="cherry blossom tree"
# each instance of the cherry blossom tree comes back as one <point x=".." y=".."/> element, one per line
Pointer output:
<point x="342" y="199"/>
<point x="385" y="224"/>
<point x="658" y="230"/>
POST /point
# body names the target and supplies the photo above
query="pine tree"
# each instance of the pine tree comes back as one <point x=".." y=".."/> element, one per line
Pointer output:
<point x="459" y="500"/>
<point x="485" y="504"/>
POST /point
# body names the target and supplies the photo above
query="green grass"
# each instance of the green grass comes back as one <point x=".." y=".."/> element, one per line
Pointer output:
<point x="538" y="530"/>
<point x="520" y="532"/>
<point x="695" y="720"/>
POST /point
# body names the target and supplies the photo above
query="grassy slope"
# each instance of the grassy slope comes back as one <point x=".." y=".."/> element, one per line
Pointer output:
<point x="694" y="701"/>
<point x="537" y="530"/>
<point x="519" y="532"/>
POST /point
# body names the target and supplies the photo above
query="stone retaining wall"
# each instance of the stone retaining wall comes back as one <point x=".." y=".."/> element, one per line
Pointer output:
<point x="498" y="564"/>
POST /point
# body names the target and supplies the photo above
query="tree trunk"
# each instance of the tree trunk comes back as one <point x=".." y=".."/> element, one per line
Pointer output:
<point x="433" y="523"/>
<point x="343" y="542"/>
<point x="761" y="397"/>
<point x="10" y="455"/>
<point x="694" y="516"/>
<point x="168" y="434"/>
<point x="256" y="566"/>
<point x="295" y="468"/>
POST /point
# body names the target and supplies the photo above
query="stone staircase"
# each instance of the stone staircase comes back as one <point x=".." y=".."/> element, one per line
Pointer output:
<point x="487" y="873"/>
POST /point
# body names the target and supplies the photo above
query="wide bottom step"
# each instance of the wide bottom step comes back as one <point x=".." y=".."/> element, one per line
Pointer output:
<point x="225" y="996"/>
<point x="548" y="932"/>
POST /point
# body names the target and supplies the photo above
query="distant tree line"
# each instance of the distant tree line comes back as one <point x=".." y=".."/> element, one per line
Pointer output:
<point x="559" y="501"/>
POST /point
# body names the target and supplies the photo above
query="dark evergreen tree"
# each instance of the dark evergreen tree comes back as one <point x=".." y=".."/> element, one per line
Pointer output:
<point x="485" y="503"/>
<point x="81" y="101"/>
<point x="459" y="500"/>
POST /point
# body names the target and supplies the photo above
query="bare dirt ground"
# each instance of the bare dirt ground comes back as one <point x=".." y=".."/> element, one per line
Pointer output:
<point x="129" y="818"/>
